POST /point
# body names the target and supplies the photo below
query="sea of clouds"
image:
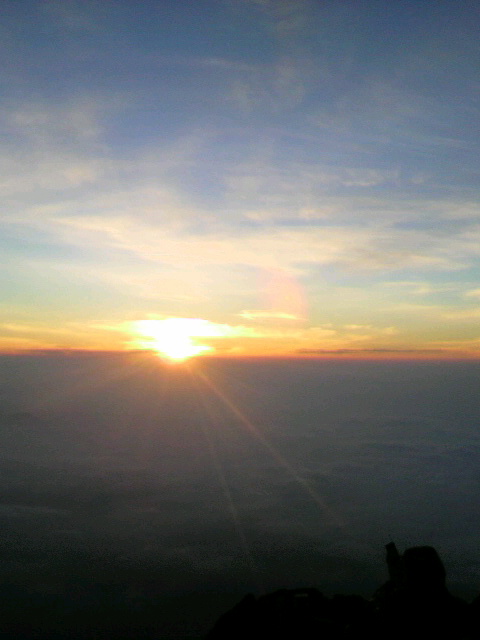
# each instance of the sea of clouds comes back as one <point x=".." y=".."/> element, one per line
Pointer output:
<point x="178" y="488"/>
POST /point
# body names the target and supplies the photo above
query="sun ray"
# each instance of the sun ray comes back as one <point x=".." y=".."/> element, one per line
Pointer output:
<point x="219" y="470"/>
<point x="276" y="455"/>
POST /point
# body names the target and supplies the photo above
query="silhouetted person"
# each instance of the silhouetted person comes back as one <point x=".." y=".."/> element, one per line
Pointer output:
<point x="415" y="602"/>
<point x="395" y="564"/>
<point x="424" y="571"/>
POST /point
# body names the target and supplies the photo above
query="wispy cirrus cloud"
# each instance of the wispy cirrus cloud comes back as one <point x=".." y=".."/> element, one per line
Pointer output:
<point x="294" y="249"/>
<point x="286" y="18"/>
<point x="421" y="288"/>
<point x="275" y="88"/>
<point x="463" y="314"/>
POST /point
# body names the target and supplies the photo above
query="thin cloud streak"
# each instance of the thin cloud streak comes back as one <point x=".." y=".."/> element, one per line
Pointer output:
<point x="268" y="315"/>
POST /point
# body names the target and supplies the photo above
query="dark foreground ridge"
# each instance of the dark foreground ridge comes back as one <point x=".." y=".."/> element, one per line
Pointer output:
<point x="413" y="603"/>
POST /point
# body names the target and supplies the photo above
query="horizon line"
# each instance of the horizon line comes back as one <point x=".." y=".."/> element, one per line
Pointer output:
<point x="301" y="354"/>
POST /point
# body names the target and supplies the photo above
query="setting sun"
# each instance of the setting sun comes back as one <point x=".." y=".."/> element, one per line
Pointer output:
<point x="177" y="338"/>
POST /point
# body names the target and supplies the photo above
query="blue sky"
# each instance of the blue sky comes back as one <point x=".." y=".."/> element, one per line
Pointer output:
<point x="305" y="173"/>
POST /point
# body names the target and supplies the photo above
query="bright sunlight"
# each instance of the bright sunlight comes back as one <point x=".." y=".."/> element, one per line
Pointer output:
<point x="176" y="339"/>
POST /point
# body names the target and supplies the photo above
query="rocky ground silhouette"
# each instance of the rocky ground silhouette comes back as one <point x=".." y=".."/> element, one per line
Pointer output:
<point x="413" y="603"/>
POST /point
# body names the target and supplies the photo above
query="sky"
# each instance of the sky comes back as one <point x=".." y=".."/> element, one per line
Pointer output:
<point x="283" y="177"/>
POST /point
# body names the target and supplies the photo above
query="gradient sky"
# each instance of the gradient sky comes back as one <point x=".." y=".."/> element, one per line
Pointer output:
<point x="302" y="174"/>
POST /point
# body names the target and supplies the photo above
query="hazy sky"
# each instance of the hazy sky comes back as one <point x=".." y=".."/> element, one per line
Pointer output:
<point x="302" y="174"/>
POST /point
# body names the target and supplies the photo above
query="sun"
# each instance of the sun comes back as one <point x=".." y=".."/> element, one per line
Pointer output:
<point x="176" y="339"/>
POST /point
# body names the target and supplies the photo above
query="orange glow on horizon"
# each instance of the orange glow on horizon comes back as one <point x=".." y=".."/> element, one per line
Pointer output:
<point x="262" y="334"/>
